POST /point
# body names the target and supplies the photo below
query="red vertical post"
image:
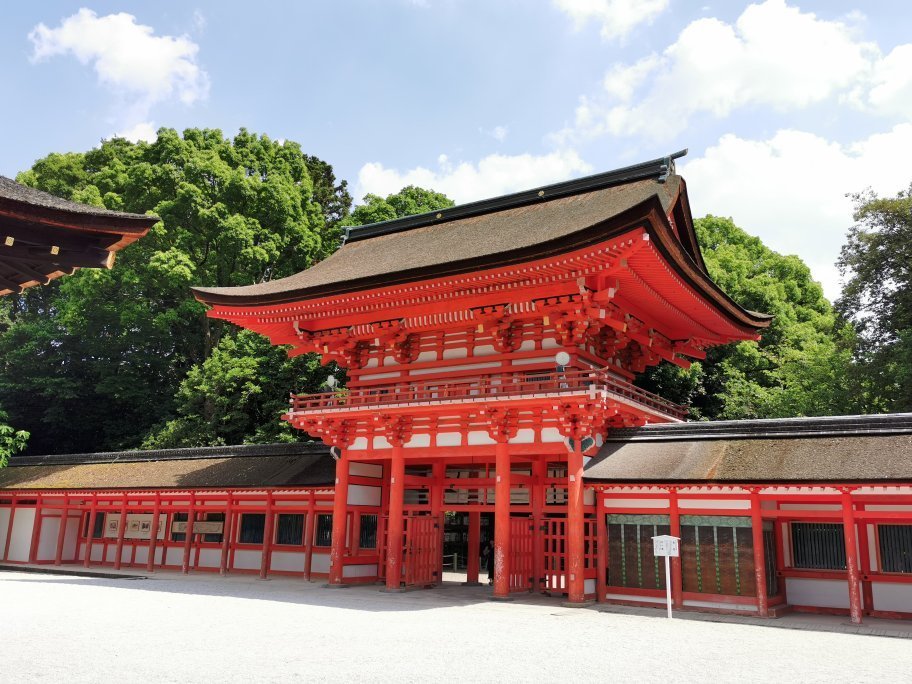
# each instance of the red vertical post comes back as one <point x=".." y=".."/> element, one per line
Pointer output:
<point x="759" y="555"/>
<point x="576" y="582"/>
<point x="601" y="527"/>
<point x="9" y="529"/>
<point x="502" y="519"/>
<point x="227" y="533"/>
<point x="36" y="531"/>
<point x="93" y="511"/>
<point x="188" y="535"/>
<point x="61" y="531"/>
<point x="864" y="561"/>
<point x="539" y="475"/>
<point x="153" y="533"/>
<point x="438" y="473"/>
<point x="268" y="528"/>
<point x="339" y="521"/>
<point x="394" y="533"/>
<point x="674" y="524"/>
<point x="848" y="524"/>
<point x="472" y="560"/>
<point x="121" y="531"/>
<point x="309" y="533"/>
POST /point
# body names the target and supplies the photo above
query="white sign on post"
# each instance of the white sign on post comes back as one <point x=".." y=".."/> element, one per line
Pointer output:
<point x="667" y="546"/>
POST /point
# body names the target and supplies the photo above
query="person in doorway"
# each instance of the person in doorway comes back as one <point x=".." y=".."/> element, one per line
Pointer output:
<point x="487" y="555"/>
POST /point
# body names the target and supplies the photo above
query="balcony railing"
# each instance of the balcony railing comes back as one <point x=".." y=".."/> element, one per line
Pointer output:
<point x="484" y="387"/>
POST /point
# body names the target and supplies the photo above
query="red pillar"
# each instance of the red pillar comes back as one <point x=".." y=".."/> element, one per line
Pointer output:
<point x="394" y="532"/>
<point x="472" y="560"/>
<point x="309" y="533"/>
<point x="36" y="532"/>
<point x="121" y="531"/>
<point x="438" y="473"/>
<point x="153" y="533"/>
<point x="576" y="582"/>
<point x="759" y="556"/>
<point x="9" y="529"/>
<point x="864" y="562"/>
<point x="848" y="523"/>
<point x="677" y="576"/>
<point x="339" y="520"/>
<point x="539" y="475"/>
<point x="268" y="527"/>
<point x="188" y="536"/>
<point x="227" y="533"/>
<point x="93" y="511"/>
<point x="502" y="520"/>
<point x="601" y="527"/>
<point x="61" y="532"/>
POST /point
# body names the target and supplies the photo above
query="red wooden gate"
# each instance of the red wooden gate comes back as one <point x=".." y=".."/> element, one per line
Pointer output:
<point x="522" y="531"/>
<point x="555" y="556"/>
<point x="422" y="550"/>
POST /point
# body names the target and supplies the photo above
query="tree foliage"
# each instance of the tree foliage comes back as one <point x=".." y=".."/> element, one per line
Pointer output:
<point x="97" y="360"/>
<point x="801" y="365"/>
<point x="409" y="201"/>
<point x="876" y="263"/>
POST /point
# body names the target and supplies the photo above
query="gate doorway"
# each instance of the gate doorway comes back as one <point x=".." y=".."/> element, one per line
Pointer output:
<point x="422" y="552"/>
<point x="522" y="541"/>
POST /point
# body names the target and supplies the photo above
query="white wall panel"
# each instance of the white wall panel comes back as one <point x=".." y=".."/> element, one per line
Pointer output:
<point x="817" y="592"/>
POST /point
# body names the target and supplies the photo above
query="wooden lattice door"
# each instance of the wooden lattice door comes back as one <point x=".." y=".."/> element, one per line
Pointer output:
<point x="422" y="550"/>
<point x="522" y="538"/>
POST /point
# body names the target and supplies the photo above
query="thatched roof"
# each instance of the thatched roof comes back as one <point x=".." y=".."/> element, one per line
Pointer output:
<point x="272" y="465"/>
<point x="834" y="449"/>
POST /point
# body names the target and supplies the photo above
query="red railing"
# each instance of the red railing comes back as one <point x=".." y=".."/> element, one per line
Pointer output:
<point x="481" y="387"/>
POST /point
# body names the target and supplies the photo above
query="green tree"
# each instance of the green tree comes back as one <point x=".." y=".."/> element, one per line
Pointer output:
<point x="876" y="262"/>
<point x="95" y="361"/>
<point x="802" y="363"/>
<point x="407" y="202"/>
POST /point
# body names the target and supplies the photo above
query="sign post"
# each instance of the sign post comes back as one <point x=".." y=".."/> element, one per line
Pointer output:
<point x="667" y="546"/>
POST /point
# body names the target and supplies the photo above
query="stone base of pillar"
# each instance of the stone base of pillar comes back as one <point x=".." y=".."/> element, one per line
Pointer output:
<point x="578" y="604"/>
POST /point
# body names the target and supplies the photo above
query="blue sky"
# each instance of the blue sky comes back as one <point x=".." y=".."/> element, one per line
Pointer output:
<point x="785" y="107"/>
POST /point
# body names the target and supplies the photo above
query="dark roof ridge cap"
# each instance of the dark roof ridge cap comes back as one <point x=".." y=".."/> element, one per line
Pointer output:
<point x="660" y="168"/>
<point x="182" y="453"/>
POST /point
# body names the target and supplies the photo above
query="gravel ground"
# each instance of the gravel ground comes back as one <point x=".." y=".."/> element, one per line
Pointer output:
<point x="200" y="628"/>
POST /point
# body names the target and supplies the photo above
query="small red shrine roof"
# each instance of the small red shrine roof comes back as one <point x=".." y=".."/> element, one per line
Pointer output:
<point x="517" y="228"/>
<point x="43" y="236"/>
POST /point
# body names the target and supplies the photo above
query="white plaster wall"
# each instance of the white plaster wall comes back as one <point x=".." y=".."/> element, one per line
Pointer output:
<point x="319" y="562"/>
<point x="589" y="586"/>
<point x="98" y="551"/>
<point x="549" y="343"/>
<point x="479" y="437"/>
<point x="589" y="497"/>
<point x="362" y="495"/>
<point x="359" y="571"/>
<point x="381" y="442"/>
<point x="720" y="605"/>
<point x="418" y="441"/>
<point x="484" y="350"/>
<point x="551" y="435"/>
<point x="884" y="507"/>
<point x="458" y="353"/>
<point x="524" y="436"/>
<point x="426" y="356"/>
<point x="460" y="367"/>
<point x="527" y="345"/>
<point x="110" y="553"/>
<point x="892" y="596"/>
<point x="636" y="503"/>
<point x="817" y="592"/>
<point x="21" y="539"/>
<point x="360" y="444"/>
<point x="449" y="439"/>
<point x="810" y="507"/>
<point x="247" y="560"/>
<point x="71" y="536"/>
<point x="629" y="597"/>
<point x="175" y="556"/>
<point x="366" y="469"/>
<point x="209" y="558"/>
<point x="684" y="504"/>
<point x="47" y="540"/>
<point x="288" y="561"/>
<point x="4" y="526"/>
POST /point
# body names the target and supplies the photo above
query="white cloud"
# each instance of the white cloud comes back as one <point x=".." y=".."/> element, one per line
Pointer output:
<point x="493" y="175"/>
<point x="127" y="58"/>
<point x="144" y="130"/>
<point x="499" y="133"/>
<point x="618" y="17"/>
<point x="790" y="190"/>
<point x="773" y="55"/>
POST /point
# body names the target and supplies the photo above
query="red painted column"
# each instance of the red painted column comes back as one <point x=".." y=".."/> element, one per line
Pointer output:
<point x="601" y="527"/>
<point x="438" y="473"/>
<point x="36" y="532"/>
<point x="93" y="511"/>
<point x="848" y="523"/>
<point x="268" y="528"/>
<point x="394" y="533"/>
<point x="677" y="575"/>
<point x="502" y="519"/>
<point x="339" y="521"/>
<point x="539" y="475"/>
<point x="153" y="533"/>
<point x="576" y="582"/>
<point x="61" y="532"/>
<point x="309" y="533"/>
<point x="121" y="531"/>
<point x="759" y="555"/>
<point x="472" y="561"/>
<point x="9" y="529"/>
<point x="864" y="562"/>
<point x="227" y="534"/>
<point x="188" y="536"/>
